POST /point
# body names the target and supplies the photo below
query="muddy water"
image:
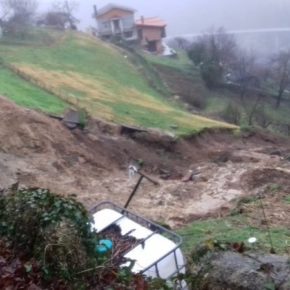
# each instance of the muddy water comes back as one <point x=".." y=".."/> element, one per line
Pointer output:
<point x="212" y="192"/>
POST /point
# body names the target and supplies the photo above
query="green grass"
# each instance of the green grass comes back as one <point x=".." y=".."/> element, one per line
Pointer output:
<point x="233" y="229"/>
<point x="287" y="199"/>
<point x="97" y="77"/>
<point x="216" y="104"/>
<point x="182" y="62"/>
<point x="25" y="94"/>
<point x="218" y="100"/>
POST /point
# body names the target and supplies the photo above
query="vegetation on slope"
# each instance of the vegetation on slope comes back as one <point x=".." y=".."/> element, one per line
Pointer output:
<point x="179" y="62"/>
<point x="27" y="95"/>
<point x="234" y="229"/>
<point x="223" y="102"/>
<point x="261" y="217"/>
<point x="93" y="75"/>
<point x="46" y="242"/>
<point x="52" y="234"/>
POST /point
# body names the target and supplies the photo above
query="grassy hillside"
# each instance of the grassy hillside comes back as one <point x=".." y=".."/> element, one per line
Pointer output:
<point x="93" y="75"/>
<point x="233" y="229"/>
<point x="28" y="95"/>
<point x="184" y="79"/>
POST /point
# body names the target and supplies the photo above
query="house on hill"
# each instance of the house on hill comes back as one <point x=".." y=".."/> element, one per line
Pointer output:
<point x="116" y="20"/>
<point x="119" y="21"/>
<point x="151" y="31"/>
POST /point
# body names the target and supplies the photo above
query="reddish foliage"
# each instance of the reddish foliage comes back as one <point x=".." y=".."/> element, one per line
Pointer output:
<point x="20" y="273"/>
<point x="239" y="247"/>
<point x="24" y="274"/>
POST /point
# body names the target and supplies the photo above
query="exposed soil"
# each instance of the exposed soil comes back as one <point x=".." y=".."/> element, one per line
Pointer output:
<point x="93" y="165"/>
<point x="272" y="187"/>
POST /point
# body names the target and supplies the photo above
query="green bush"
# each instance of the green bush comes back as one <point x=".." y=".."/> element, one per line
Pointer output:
<point x="211" y="73"/>
<point x="84" y="118"/>
<point x="232" y="114"/>
<point x="54" y="230"/>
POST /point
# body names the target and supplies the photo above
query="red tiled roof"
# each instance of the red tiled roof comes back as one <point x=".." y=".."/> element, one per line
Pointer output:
<point x="153" y="21"/>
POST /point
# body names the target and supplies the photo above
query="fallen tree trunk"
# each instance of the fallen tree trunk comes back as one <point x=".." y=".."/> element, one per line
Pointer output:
<point x="234" y="271"/>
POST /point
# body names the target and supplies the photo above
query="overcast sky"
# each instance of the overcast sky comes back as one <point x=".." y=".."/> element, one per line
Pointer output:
<point x="194" y="16"/>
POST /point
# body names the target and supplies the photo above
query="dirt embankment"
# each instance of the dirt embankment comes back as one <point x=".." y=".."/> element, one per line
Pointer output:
<point x="93" y="165"/>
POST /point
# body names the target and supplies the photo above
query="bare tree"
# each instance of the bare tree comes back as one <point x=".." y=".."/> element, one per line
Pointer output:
<point x="281" y="74"/>
<point x="180" y="43"/>
<point x="67" y="8"/>
<point x="60" y="16"/>
<point x="17" y="15"/>
<point x="254" y="107"/>
<point x="224" y="46"/>
<point x="21" y="8"/>
<point x="250" y="77"/>
<point x="244" y="73"/>
<point x="214" y="52"/>
<point x="5" y="11"/>
<point x="262" y="118"/>
<point x="54" y="19"/>
<point x="217" y="46"/>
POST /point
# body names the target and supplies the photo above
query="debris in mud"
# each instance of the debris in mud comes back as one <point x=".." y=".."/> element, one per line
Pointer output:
<point x="130" y="130"/>
<point x="262" y="177"/>
<point x="72" y="119"/>
<point x="164" y="174"/>
<point x="34" y="150"/>
<point x="233" y="270"/>
<point x="276" y="153"/>
<point x="122" y="244"/>
<point x="223" y="157"/>
<point x="190" y="176"/>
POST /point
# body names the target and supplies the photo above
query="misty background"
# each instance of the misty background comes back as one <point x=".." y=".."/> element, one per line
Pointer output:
<point x="191" y="17"/>
<point x="195" y="16"/>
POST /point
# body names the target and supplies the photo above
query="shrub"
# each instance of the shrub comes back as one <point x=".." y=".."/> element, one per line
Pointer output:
<point x="53" y="229"/>
<point x="54" y="233"/>
<point x="84" y="118"/>
<point x="232" y="114"/>
<point x="262" y="118"/>
<point x="195" y="99"/>
<point x="211" y="73"/>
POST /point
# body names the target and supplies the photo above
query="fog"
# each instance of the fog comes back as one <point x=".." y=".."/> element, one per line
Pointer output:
<point x="187" y="17"/>
<point x="194" y="16"/>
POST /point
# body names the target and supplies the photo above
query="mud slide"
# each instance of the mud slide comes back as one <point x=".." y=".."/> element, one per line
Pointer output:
<point x="93" y="165"/>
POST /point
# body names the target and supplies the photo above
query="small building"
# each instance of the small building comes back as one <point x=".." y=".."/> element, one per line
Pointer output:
<point x="116" y="20"/>
<point x="151" y="31"/>
<point x="119" y="21"/>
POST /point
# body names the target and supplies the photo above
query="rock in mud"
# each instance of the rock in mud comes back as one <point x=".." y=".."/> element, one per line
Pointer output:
<point x="231" y="271"/>
<point x="276" y="153"/>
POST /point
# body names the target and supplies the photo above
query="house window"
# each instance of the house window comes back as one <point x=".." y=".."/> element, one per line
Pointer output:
<point x="106" y="24"/>
<point x="128" y="22"/>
